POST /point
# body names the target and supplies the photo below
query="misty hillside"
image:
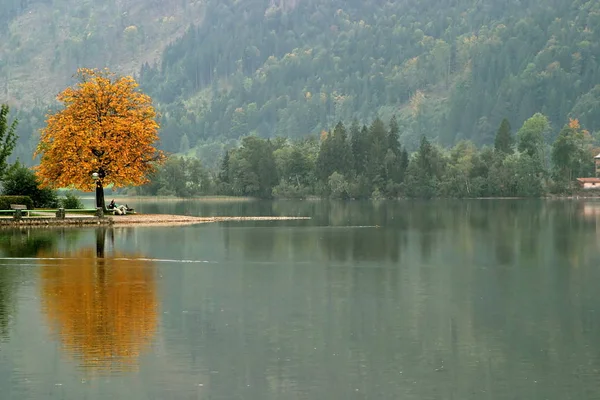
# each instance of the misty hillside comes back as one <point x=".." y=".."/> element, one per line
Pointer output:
<point x="43" y="42"/>
<point x="449" y="69"/>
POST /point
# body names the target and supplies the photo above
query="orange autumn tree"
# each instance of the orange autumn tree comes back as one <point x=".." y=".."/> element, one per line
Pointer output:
<point x="106" y="127"/>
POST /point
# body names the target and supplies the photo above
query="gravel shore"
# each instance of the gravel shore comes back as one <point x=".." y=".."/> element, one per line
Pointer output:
<point x="165" y="219"/>
<point x="48" y="219"/>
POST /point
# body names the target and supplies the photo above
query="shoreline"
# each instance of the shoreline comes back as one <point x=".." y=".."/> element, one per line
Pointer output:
<point x="130" y="220"/>
<point x="78" y="220"/>
<point x="587" y="194"/>
<point x="175" y="220"/>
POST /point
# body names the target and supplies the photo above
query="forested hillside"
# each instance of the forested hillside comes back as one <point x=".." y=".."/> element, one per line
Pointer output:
<point x="43" y="42"/>
<point x="449" y="69"/>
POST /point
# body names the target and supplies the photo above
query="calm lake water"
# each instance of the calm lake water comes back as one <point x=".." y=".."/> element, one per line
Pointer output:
<point x="488" y="299"/>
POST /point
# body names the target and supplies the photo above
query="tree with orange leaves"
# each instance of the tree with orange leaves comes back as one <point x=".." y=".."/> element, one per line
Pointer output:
<point x="107" y="127"/>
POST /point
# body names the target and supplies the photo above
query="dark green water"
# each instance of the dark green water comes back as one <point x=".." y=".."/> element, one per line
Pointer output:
<point x="396" y="300"/>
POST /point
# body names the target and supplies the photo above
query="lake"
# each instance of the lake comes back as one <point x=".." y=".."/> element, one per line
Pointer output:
<point x="482" y="299"/>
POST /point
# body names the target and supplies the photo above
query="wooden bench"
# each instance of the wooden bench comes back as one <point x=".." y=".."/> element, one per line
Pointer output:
<point x="21" y="207"/>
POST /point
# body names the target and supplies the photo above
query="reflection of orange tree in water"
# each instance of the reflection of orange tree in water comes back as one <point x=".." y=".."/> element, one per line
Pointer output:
<point x="103" y="309"/>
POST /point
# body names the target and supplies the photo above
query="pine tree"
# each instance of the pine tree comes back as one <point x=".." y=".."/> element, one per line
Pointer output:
<point x="394" y="137"/>
<point x="224" y="172"/>
<point x="403" y="164"/>
<point x="324" y="166"/>
<point x="425" y="158"/>
<point x="8" y="138"/>
<point x="341" y="151"/>
<point x="504" y="141"/>
<point x="422" y="173"/>
<point x="360" y="149"/>
<point x="378" y="146"/>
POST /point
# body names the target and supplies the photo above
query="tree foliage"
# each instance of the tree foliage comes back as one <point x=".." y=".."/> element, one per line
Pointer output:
<point x="252" y="168"/>
<point x="179" y="177"/>
<point x="570" y="154"/>
<point x="504" y="140"/>
<point x="328" y="167"/>
<point x="106" y="127"/>
<point x="531" y="135"/>
<point x="8" y="138"/>
<point x="71" y="201"/>
<point x="20" y="180"/>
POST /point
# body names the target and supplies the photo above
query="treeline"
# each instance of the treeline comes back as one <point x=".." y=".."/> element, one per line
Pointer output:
<point x="364" y="162"/>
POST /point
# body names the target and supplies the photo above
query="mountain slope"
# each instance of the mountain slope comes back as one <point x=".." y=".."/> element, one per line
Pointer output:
<point x="43" y="42"/>
<point x="449" y="69"/>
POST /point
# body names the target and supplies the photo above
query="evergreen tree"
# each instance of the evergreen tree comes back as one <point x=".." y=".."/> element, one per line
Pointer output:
<point x="425" y="157"/>
<point x="325" y="164"/>
<point x="403" y="164"/>
<point x="335" y="154"/>
<point x="504" y="141"/>
<point x="393" y="158"/>
<point x="341" y="151"/>
<point x="8" y="138"/>
<point x="394" y="137"/>
<point x="422" y="174"/>
<point x="20" y="180"/>
<point x="378" y="146"/>
<point x="360" y="148"/>
<point x="224" y="171"/>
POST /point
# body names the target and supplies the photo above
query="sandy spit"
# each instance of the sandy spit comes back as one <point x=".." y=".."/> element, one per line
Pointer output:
<point x="166" y="219"/>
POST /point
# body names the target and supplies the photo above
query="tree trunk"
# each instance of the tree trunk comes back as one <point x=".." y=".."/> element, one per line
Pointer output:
<point x="100" y="241"/>
<point x="100" y="195"/>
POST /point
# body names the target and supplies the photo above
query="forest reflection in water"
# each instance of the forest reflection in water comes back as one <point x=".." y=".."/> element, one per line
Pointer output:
<point x="506" y="231"/>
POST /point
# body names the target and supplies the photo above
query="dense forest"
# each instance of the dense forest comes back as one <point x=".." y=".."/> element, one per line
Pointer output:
<point x="370" y="163"/>
<point x="449" y="70"/>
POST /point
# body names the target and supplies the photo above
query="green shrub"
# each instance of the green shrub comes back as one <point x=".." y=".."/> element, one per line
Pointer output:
<point x="6" y="201"/>
<point x="71" y="201"/>
<point x="286" y="190"/>
<point x="21" y="181"/>
<point x="359" y="188"/>
<point x="338" y="186"/>
<point x="377" y="195"/>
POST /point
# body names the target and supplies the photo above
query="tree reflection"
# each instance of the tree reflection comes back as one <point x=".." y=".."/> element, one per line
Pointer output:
<point x="26" y="242"/>
<point x="17" y="243"/>
<point x="7" y="288"/>
<point x="103" y="308"/>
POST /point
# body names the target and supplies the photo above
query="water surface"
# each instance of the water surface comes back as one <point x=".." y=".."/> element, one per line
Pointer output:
<point x="412" y="300"/>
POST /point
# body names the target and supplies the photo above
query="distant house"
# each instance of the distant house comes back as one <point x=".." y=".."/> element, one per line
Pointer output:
<point x="589" y="183"/>
<point x="597" y="163"/>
